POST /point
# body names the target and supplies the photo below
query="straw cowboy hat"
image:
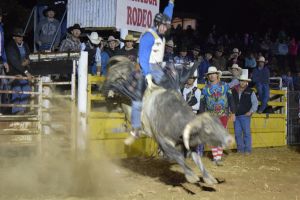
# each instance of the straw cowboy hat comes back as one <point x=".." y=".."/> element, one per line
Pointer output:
<point x="236" y="66"/>
<point x="112" y="38"/>
<point x="170" y="43"/>
<point x="244" y="76"/>
<point x="261" y="59"/>
<point x="94" y="38"/>
<point x="213" y="70"/>
<point x="129" y="38"/>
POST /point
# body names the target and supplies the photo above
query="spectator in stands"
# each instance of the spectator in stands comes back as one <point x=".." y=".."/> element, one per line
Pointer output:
<point x="246" y="104"/>
<point x="182" y="58"/>
<point x="104" y="58"/>
<point x="293" y="52"/>
<point x="48" y="31"/>
<point x="234" y="58"/>
<point x="203" y="67"/>
<point x="287" y="80"/>
<point x="169" y="51"/>
<point x="3" y="58"/>
<point x="261" y="79"/>
<point x="250" y="62"/>
<point x="218" y="60"/>
<point x="113" y="44"/>
<point x="196" y="54"/>
<point x="216" y="98"/>
<point x="128" y="50"/>
<point x="18" y="59"/>
<point x="236" y="72"/>
<point x="94" y="53"/>
<point x="72" y="42"/>
<point x="4" y="67"/>
<point x="283" y="50"/>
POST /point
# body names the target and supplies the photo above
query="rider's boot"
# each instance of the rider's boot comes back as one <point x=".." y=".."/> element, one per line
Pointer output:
<point x="134" y="134"/>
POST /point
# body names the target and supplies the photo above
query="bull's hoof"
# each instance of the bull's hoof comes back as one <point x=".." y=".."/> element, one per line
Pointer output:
<point x="210" y="180"/>
<point x="192" y="178"/>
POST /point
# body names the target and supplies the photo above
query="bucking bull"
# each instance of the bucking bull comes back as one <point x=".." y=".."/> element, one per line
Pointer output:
<point x="167" y="117"/>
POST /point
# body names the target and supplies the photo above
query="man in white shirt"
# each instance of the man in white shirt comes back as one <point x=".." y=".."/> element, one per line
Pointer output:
<point x="191" y="94"/>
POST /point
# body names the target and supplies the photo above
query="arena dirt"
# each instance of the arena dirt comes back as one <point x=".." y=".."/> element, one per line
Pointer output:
<point x="269" y="173"/>
<point x="62" y="172"/>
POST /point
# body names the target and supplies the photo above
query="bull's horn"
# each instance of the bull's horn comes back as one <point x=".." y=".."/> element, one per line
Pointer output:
<point x="186" y="136"/>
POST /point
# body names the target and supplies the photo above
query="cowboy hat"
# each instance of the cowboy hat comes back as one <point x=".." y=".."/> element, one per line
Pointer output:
<point x="50" y="8"/>
<point x="197" y="48"/>
<point x="236" y="66"/>
<point x="170" y="43"/>
<point x="18" y="32"/>
<point x="75" y="26"/>
<point x="261" y="59"/>
<point x="213" y="70"/>
<point x="129" y="38"/>
<point x="112" y="38"/>
<point x="94" y="38"/>
<point x="235" y="50"/>
<point x="244" y="75"/>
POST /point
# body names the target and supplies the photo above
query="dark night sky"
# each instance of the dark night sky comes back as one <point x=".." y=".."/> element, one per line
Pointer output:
<point x="234" y="15"/>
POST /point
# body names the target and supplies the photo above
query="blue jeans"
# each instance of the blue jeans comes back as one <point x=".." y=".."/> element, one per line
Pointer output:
<point x="136" y="106"/>
<point x="242" y="133"/>
<point x="20" y="85"/>
<point x="263" y="91"/>
<point x="200" y="150"/>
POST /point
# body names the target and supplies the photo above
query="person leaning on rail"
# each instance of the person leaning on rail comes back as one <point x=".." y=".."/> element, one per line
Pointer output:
<point x="18" y="58"/>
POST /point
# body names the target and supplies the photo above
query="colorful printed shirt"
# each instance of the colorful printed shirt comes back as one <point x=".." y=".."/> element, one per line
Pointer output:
<point x="216" y="99"/>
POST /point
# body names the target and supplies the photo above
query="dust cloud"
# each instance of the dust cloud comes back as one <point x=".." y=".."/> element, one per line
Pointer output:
<point x="57" y="169"/>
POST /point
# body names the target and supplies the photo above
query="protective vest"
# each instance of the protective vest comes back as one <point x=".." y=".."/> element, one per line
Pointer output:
<point x="244" y="103"/>
<point x="158" y="48"/>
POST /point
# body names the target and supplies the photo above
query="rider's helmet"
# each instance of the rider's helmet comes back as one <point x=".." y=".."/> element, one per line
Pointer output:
<point x="161" y="18"/>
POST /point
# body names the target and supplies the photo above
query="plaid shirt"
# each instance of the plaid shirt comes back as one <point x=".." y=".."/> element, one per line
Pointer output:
<point x="69" y="44"/>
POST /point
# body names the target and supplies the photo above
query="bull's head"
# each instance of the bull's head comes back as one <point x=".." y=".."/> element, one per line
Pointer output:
<point x="206" y="129"/>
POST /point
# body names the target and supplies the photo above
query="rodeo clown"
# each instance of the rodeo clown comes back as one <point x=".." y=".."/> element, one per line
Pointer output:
<point x="216" y="98"/>
<point x="151" y="53"/>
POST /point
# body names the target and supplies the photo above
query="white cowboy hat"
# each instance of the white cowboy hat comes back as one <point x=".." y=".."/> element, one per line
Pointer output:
<point x="244" y="76"/>
<point x="213" y="70"/>
<point x="94" y="38"/>
<point x="235" y="50"/>
<point x="170" y="43"/>
<point x="236" y="66"/>
<point x="261" y="59"/>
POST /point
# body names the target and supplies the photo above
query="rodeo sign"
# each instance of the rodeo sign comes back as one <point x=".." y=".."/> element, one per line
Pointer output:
<point x="136" y="15"/>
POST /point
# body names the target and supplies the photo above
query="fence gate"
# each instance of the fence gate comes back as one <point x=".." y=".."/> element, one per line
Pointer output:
<point x="293" y="129"/>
